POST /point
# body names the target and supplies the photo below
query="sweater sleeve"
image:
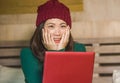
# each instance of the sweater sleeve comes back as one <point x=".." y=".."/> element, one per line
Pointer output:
<point x="79" y="47"/>
<point x="31" y="67"/>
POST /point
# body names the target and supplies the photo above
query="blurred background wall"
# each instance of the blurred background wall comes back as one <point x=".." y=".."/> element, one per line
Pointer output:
<point x="90" y="18"/>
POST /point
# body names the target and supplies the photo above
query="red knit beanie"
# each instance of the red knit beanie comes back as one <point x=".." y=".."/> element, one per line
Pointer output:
<point x="53" y="9"/>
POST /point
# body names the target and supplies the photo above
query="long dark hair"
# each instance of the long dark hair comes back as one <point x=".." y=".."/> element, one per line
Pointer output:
<point x="37" y="46"/>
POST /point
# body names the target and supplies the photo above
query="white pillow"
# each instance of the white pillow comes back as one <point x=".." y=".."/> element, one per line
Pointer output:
<point x="11" y="75"/>
<point x="116" y="76"/>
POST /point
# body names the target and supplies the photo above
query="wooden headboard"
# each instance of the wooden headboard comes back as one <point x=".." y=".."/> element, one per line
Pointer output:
<point x="10" y="52"/>
<point x="107" y="55"/>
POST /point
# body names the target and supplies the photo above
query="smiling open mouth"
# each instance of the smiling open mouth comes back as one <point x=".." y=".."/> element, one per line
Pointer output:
<point x="57" y="40"/>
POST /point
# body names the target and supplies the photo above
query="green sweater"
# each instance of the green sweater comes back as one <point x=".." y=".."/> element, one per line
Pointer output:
<point x="32" y="68"/>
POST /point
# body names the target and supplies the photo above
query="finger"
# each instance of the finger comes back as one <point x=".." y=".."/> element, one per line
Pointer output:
<point x="66" y="37"/>
<point x="62" y="39"/>
<point x="68" y="34"/>
<point x="46" y="36"/>
<point x="62" y="44"/>
<point x="43" y="35"/>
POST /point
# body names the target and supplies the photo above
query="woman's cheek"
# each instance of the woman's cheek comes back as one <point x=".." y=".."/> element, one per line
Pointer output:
<point x="50" y="31"/>
<point x="63" y="31"/>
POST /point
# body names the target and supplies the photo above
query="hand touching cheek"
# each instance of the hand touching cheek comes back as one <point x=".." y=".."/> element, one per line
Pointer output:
<point x="65" y="39"/>
<point x="48" y="40"/>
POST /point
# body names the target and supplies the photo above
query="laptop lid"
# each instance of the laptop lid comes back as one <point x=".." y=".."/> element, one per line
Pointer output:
<point x="68" y="67"/>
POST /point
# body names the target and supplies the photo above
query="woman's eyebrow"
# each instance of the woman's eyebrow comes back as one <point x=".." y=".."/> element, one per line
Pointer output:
<point x="63" y="23"/>
<point x="50" y="23"/>
<point x="54" y="23"/>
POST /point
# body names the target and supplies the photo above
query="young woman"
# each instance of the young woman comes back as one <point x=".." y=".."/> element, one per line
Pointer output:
<point x="52" y="34"/>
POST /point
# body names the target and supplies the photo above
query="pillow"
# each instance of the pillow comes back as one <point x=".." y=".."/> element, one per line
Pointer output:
<point x="116" y="76"/>
<point x="11" y="75"/>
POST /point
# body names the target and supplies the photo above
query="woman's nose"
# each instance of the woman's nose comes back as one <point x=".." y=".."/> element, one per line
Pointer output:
<point x="57" y="31"/>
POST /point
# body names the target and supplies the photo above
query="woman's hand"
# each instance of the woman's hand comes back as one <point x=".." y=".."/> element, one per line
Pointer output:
<point x="48" y="40"/>
<point x="65" y="39"/>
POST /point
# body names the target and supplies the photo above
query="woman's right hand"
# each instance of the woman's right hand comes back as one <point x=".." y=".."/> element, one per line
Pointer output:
<point x="48" y="40"/>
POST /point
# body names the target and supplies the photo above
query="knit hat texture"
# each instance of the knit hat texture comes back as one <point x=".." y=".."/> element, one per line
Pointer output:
<point x="53" y="9"/>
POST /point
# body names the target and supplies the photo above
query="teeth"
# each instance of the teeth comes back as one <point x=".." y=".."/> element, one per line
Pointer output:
<point x="56" y="39"/>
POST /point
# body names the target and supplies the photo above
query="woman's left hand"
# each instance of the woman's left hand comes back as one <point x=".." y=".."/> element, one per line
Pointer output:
<point x="65" y="39"/>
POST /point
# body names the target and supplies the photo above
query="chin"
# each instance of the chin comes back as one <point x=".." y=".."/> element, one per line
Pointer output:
<point x="57" y="44"/>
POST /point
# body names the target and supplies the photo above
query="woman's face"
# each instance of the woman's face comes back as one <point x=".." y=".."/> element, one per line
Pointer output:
<point x="56" y="27"/>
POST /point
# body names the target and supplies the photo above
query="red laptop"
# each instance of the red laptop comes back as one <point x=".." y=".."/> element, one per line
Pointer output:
<point x="68" y="67"/>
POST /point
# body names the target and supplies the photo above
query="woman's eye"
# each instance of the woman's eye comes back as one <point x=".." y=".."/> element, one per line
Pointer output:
<point x="51" y="27"/>
<point x="63" y="26"/>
